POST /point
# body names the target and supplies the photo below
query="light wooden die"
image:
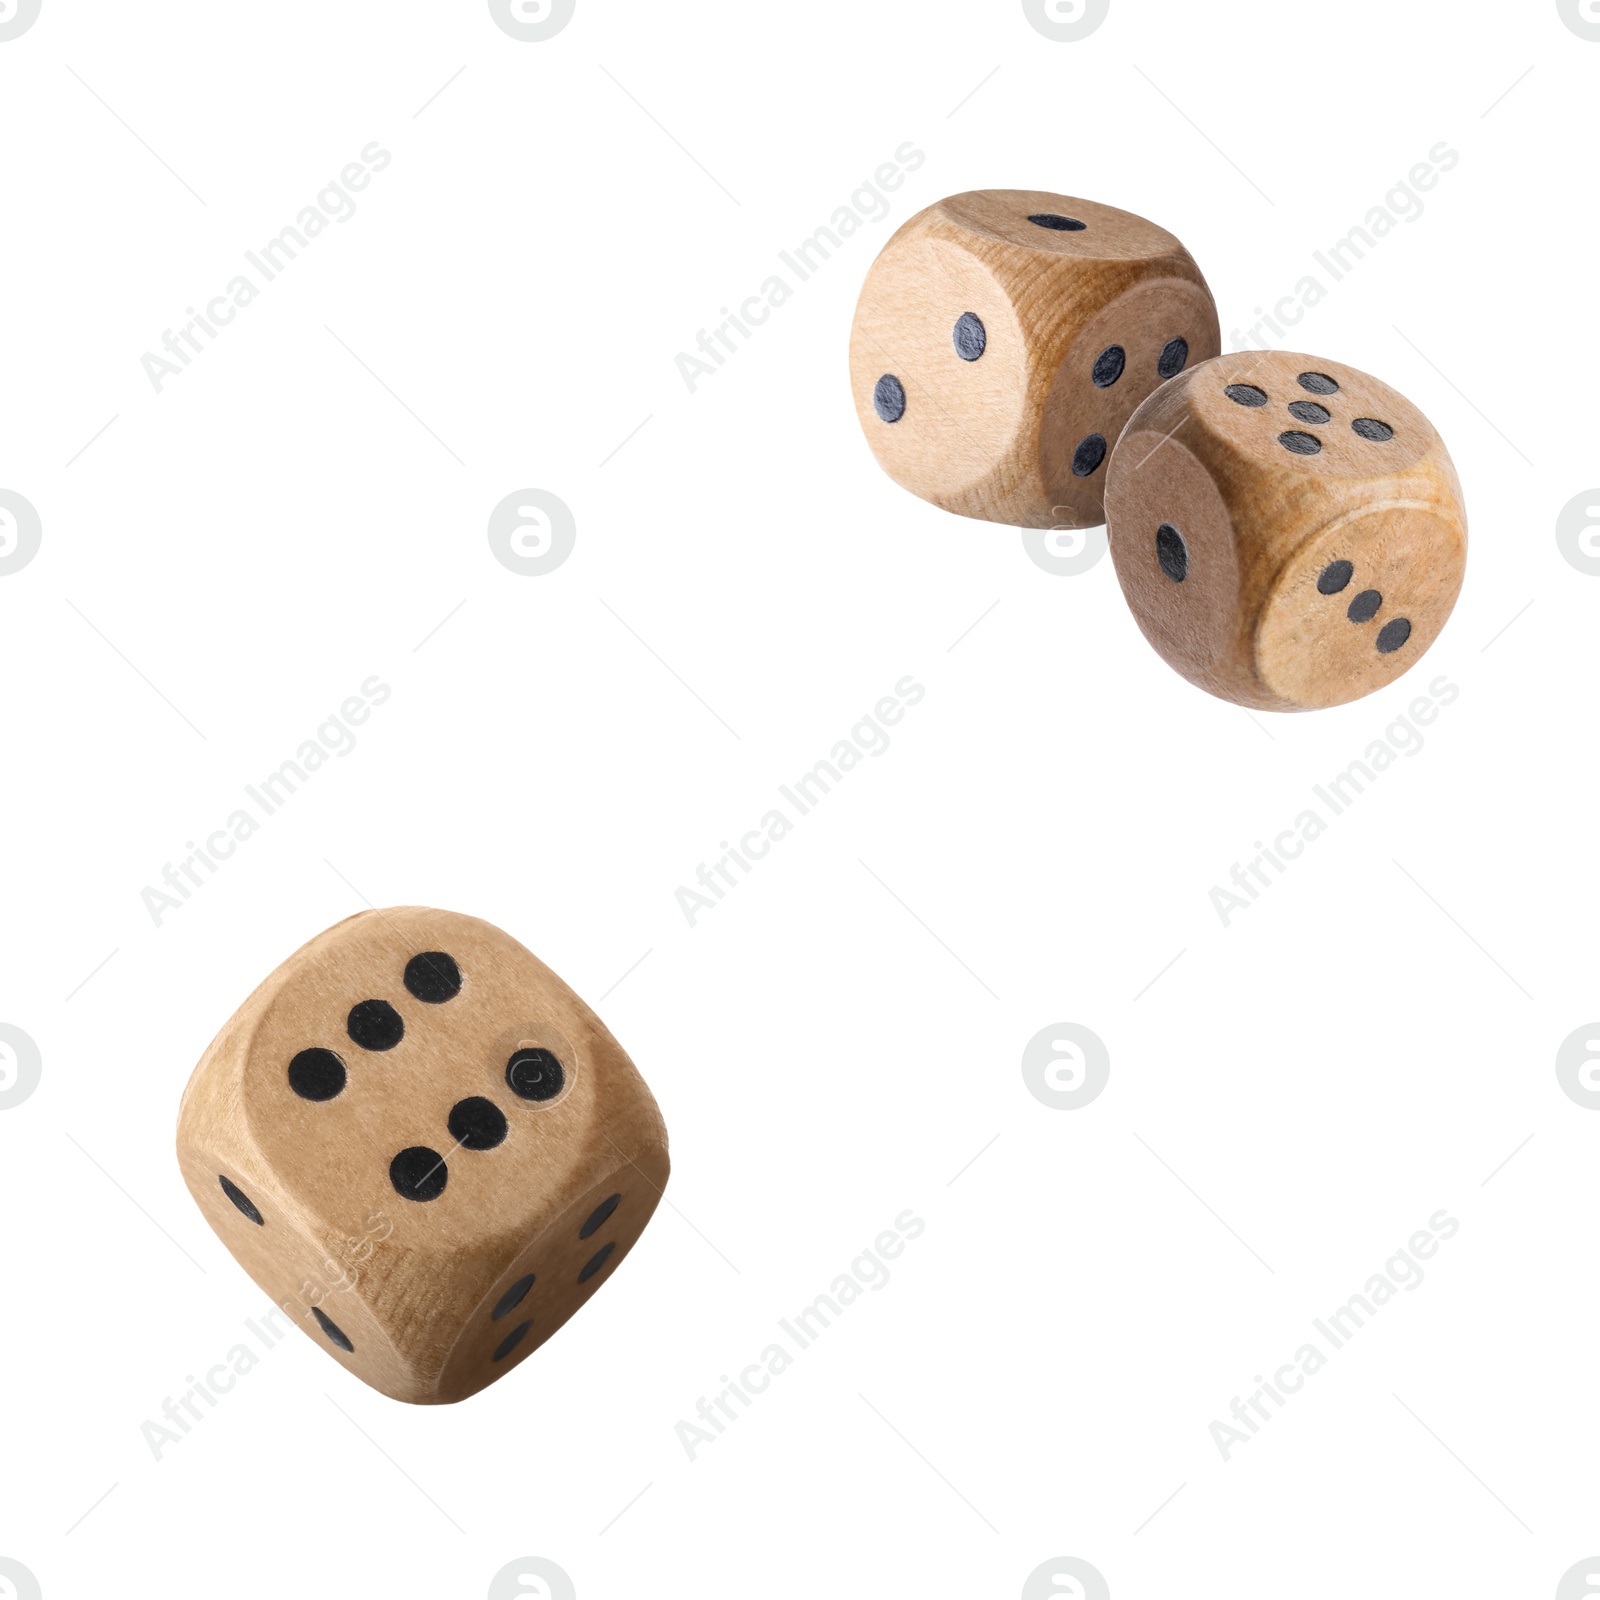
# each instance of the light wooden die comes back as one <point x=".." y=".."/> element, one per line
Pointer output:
<point x="1002" y="339"/>
<point x="1288" y="530"/>
<point x="424" y="1147"/>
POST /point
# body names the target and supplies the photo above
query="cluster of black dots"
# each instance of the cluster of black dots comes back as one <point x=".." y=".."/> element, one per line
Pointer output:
<point x="1108" y="367"/>
<point x="1172" y="554"/>
<point x="971" y="339"/>
<point x="1336" y="576"/>
<point x="518" y="1292"/>
<point x="1296" y="440"/>
<point x="476" y="1123"/>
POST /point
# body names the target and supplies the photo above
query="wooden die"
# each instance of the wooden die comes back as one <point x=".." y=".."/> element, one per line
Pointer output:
<point x="424" y="1147"/>
<point x="1002" y="339"/>
<point x="1288" y="530"/>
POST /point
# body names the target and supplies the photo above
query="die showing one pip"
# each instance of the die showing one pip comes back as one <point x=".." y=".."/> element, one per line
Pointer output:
<point x="1002" y="339"/>
<point x="424" y="1147"/>
<point x="1288" y="531"/>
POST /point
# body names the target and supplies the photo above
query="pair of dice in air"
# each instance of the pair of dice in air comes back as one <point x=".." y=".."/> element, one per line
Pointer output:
<point x="1288" y="531"/>
<point x="424" y="1147"/>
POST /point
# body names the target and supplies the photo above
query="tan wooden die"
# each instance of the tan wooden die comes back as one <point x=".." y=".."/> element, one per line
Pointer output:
<point x="1002" y="339"/>
<point x="424" y="1147"/>
<point x="1289" y="531"/>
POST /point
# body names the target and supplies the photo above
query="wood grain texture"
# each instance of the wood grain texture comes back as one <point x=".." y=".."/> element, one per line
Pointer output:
<point x="1263" y="526"/>
<point x="412" y="1283"/>
<point x="996" y="437"/>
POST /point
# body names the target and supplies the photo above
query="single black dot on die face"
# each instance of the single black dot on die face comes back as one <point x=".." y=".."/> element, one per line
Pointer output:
<point x="1334" y="577"/>
<point x="889" y="398"/>
<point x="433" y="977"/>
<point x="969" y="337"/>
<point x="1371" y="428"/>
<point x="241" y="1199"/>
<point x="1393" y="634"/>
<point x="1302" y="444"/>
<point x="595" y="1262"/>
<point x="1173" y="358"/>
<point x="375" y="1025"/>
<point x="476" y="1123"/>
<point x="1365" y="606"/>
<point x="419" y="1173"/>
<point x="535" y="1074"/>
<point x="1246" y="394"/>
<point x="316" y="1074"/>
<point x="1108" y="366"/>
<point x="599" y="1216"/>
<point x="336" y="1334"/>
<point x="1056" y="222"/>
<point x="512" y="1298"/>
<point x="1171" y="552"/>
<point x="1308" y="411"/>
<point x="1318" y="383"/>
<point x="1088" y="456"/>
<point x="511" y="1340"/>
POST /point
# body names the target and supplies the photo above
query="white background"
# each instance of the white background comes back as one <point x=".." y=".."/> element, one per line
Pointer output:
<point x="1291" y="1097"/>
